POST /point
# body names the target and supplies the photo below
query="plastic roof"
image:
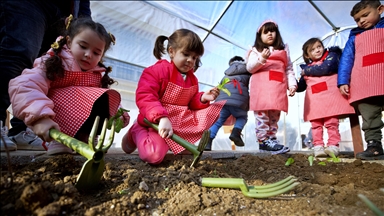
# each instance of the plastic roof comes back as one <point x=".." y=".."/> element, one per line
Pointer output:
<point x="227" y="27"/>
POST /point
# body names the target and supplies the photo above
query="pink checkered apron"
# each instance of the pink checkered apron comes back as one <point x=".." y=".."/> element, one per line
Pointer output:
<point x="74" y="96"/>
<point x="186" y="123"/>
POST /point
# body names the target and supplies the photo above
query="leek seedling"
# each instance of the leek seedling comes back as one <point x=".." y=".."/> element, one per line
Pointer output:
<point x="334" y="158"/>
<point x="289" y="161"/>
<point x="322" y="163"/>
<point x="221" y="86"/>
<point x="372" y="206"/>
<point x="118" y="121"/>
<point x="310" y="159"/>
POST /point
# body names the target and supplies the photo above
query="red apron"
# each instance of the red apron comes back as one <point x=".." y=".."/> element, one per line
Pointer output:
<point x="323" y="98"/>
<point x="186" y="123"/>
<point x="268" y="86"/>
<point x="74" y="96"/>
<point x="367" y="78"/>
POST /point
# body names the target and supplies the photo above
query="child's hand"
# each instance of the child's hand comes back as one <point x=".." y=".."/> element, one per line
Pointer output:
<point x="165" y="128"/>
<point x="210" y="95"/>
<point x="42" y="126"/>
<point x="265" y="53"/>
<point x="292" y="91"/>
<point x="344" y="90"/>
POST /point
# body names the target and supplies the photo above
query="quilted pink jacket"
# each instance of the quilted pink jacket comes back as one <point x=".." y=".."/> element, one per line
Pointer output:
<point x="28" y="92"/>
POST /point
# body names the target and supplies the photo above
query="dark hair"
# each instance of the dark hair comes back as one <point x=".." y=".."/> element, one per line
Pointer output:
<point x="364" y="4"/>
<point x="309" y="43"/>
<point x="181" y="39"/>
<point x="198" y="64"/>
<point x="53" y="64"/>
<point x="278" y="44"/>
<point x="235" y="58"/>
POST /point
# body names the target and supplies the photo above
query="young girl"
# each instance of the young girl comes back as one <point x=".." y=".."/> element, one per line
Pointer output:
<point x="168" y="95"/>
<point x="272" y="74"/>
<point x="66" y="90"/>
<point x="323" y="104"/>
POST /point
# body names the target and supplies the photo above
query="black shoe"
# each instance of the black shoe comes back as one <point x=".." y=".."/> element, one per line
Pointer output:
<point x="208" y="147"/>
<point x="270" y="145"/>
<point x="374" y="151"/>
<point x="236" y="137"/>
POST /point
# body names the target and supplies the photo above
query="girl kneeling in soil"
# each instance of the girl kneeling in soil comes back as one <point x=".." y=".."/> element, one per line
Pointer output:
<point x="65" y="89"/>
<point x="168" y="95"/>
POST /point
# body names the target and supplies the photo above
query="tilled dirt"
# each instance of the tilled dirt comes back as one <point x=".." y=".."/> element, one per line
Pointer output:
<point x="46" y="186"/>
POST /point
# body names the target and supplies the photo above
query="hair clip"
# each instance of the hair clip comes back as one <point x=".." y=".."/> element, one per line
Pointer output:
<point x="55" y="45"/>
<point x="112" y="38"/>
<point x="69" y="19"/>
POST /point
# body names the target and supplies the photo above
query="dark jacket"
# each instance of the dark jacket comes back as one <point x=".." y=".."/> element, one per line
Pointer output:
<point x="239" y="76"/>
<point x="328" y="67"/>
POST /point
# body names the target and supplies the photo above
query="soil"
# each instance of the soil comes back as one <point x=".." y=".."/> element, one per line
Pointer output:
<point x="46" y="186"/>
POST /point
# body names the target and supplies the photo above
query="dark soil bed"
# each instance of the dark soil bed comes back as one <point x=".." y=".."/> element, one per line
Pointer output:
<point x="132" y="187"/>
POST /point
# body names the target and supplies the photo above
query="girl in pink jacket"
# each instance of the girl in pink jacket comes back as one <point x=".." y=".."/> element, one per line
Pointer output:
<point x="272" y="74"/>
<point x="168" y="95"/>
<point x="65" y="89"/>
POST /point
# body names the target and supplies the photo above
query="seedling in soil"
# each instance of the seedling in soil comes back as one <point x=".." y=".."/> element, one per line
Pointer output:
<point x="333" y="158"/>
<point x="370" y="204"/>
<point x="289" y="161"/>
<point x="322" y="163"/>
<point x="310" y="159"/>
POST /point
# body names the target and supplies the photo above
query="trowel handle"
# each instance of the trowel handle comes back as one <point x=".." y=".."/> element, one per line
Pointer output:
<point x="223" y="182"/>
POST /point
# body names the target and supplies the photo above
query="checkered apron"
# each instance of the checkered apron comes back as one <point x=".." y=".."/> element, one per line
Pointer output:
<point x="74" y="96"/>
<point x="186" y="123"/>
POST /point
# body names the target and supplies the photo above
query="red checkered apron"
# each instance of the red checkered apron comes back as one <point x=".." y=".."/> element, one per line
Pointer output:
<point x="186" y="123"/>
<point x="74" y="96"/>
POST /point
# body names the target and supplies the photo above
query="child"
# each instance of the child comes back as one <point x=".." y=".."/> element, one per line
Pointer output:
<point x="167" y="94"/>
<point x="361" y="73"/>
<point x="323" y="105"/>
<point x="66" y="90"/>
<point x="237" y="103"/>
<point x="272" y="74"/>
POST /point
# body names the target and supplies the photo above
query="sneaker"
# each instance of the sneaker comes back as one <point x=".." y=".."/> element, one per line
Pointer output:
<point x="27" y="140"/>
<point x="55" y="148"/>
<point x="332" y="149"/>
<point x="11" y="146"/>
<point x="273" y="147"/>
<point x="374" y="151"/>
<point x="319" y="151"/>
<point x="236" y="137"/>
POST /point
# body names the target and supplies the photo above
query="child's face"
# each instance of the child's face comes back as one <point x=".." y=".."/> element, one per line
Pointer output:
<point x="268" y="37"/>
<point x="315" y="52"/>
<point x="184" y="60"/>
<point x="368" y="17"/>
<point x="87" y="48"/>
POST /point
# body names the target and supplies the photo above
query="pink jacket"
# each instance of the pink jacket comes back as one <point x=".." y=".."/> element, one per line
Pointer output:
<point x="28" y="92"/>
<point x="151" y="88"/>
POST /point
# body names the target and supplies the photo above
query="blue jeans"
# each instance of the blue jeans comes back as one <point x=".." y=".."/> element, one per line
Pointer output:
<point x="240" y="115"/>
<point x="24" y="25"/>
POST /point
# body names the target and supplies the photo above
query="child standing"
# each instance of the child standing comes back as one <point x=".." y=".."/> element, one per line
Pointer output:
<point x="168" y="95"/>
<point x="65" y="89"/>
<point x="272" y="74"/>
<point x="237" y="103"/>
<point x="323" y="105"/>
<point x="361" y="73"/>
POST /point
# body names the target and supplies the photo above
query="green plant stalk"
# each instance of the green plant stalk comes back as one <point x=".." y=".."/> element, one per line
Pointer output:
<point x="189" y="146"/>
<point x="310" y="159"/>
<point x="289" y="161"/>
<point x="372" y="206"/>
<point x="222" y="88"/>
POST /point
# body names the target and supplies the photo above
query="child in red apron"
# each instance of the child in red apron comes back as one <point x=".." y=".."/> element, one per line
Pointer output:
<point x="361" y="73"/>
<point x="65" y="89"/>
<point x="323" y="105"/>
<point x="168" y="95"/>
<point x="272" y="75"/>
